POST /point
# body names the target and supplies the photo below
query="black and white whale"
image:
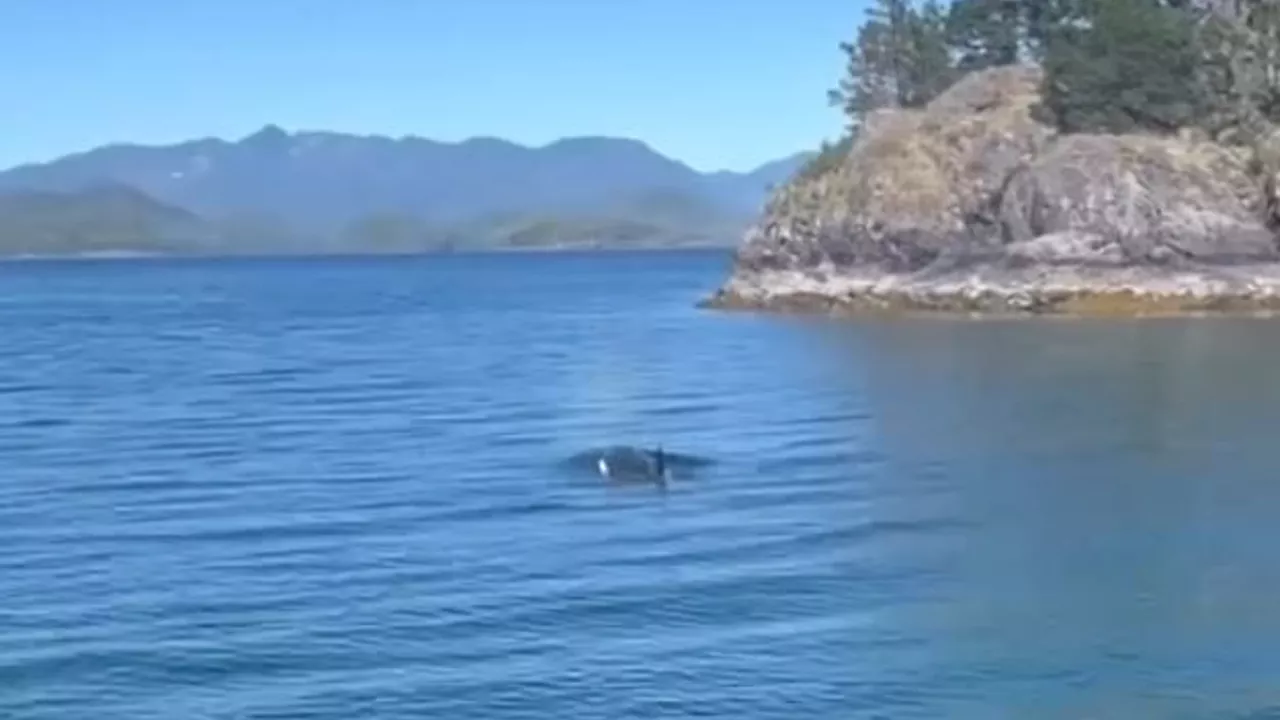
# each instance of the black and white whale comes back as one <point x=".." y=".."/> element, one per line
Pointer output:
<point x="627" y="463"/>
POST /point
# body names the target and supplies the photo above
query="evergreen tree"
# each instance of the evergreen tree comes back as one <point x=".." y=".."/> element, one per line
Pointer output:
<point x="1238" y="73"/>
<point x="899" y="59"/>
<point x="894" y="16"/>
<point x="869" y="82"/>
<point x="986" y="33"/>
<point x="1109" y="65"/>
<point x="928" y="69"/>
<point x="1045" y="19"/>
<point x="1261" y="25"/>
<point x="1120" y="66"/>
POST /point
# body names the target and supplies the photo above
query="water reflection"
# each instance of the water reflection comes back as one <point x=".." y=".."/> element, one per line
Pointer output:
<point x="1113" y="491"/>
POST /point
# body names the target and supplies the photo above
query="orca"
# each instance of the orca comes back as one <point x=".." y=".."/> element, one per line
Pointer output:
<point x="633" y="464"/>
<point x="625" y="463"/>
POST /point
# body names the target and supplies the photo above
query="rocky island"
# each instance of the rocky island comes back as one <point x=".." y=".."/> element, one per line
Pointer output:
<point x="997" y="195"/>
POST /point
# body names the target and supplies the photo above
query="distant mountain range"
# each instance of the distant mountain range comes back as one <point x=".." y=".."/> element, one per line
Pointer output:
<point x="103" y="219"/>
<point x="275" y="191"/>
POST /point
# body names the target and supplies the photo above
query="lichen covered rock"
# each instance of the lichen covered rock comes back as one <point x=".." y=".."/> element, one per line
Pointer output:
<point x="1137" y="199"/>
<point x="971" y="204"/>
<point x="917" y="183"/>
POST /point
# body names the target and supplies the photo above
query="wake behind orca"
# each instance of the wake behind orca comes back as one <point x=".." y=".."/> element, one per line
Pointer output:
<point x="626" y="463"/>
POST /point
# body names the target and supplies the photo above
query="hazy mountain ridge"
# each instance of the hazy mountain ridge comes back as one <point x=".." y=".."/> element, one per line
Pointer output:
<point x="324" y="190"/>
<point x="107" y="218"/>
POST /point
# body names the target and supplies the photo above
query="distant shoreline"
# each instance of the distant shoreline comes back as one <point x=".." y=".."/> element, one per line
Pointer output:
<point x="138" y="255"/>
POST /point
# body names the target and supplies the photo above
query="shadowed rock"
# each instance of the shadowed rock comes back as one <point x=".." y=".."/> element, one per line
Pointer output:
<point x="1137" y="199"/>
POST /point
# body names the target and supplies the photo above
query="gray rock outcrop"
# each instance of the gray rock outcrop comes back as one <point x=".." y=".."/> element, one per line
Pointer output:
<point x="971" y="204"/>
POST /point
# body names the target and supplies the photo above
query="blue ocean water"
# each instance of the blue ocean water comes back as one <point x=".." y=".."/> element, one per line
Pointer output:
<point x="336" y="488"/>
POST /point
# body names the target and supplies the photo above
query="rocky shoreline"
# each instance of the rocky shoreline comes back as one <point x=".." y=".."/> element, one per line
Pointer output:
<point x="972" y="206"/>
<point x="1136" y="292"/>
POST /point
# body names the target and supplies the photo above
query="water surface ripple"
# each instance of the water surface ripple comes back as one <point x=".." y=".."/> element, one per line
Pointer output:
<point x="326" y="489"/>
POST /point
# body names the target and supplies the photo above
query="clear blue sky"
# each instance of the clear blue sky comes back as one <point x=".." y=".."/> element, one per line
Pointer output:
<point x="715" y="83"/>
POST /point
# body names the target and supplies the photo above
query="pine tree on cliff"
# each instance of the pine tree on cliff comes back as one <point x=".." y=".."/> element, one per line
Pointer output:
<point x="900" y="58"/>
<point x="1120" y="66"/>
<point x="894" y="16"/>
<point x="869" y="82"/>
<point x="1042" y="19"/>
<point x="986" y="33"/>
<point x="1227" y="78"/>
<point x="1239" y="44"/>
<point x="929" y="69"/>
<point x="1264" y="24"/>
